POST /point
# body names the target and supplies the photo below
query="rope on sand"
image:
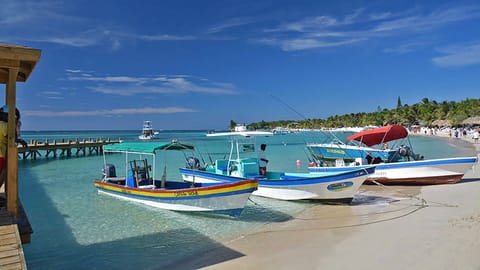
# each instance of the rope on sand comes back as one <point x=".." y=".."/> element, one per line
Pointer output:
<point x="421" y="199"/>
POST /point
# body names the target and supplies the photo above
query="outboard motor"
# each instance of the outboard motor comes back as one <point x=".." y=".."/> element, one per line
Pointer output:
<point x="109" y="171"/>
<point x="193" y="163"/>
<point x="405" y="151"/>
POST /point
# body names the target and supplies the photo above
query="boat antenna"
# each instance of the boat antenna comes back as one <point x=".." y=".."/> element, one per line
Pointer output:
<point x="330" y="134"/>
<point x="290" y="107"/>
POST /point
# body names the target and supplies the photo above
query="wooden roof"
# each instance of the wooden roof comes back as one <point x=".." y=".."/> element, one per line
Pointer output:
<point x="13" y="56"/>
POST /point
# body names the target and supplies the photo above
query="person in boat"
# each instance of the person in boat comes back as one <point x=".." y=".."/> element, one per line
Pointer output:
<point x="262" y="160"/>
<point x="4" y="136"/>
<point x="385" y="146"/>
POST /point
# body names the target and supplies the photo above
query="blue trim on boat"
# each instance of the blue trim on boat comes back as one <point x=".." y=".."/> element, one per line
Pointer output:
<point x="396" y="165"/>
<point x="292" y="181"/>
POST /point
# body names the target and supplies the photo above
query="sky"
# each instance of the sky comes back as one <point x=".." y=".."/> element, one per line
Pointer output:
<point x="196" y="65"/>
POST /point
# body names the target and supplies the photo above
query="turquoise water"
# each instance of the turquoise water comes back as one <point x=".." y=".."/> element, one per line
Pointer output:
<point x="77" y="228"/>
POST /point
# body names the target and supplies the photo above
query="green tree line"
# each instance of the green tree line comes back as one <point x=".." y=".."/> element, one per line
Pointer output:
<point x="422" y="113"/>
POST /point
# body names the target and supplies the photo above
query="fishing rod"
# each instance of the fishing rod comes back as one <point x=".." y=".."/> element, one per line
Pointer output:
<point x="203" y="160"/>
<point x="301" y="115"/>
<point x="208" y="153"/>
<point x="308" y="156"/>
<point x="329" y="134"/>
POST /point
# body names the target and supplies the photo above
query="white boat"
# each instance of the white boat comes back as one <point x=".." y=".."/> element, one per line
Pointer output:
<point x="147" y="131"/>
<point x="241" y="165"/>
<point x="362" y="144"/>
<point x="139" y="185"/>
<point x="393" y="166"/>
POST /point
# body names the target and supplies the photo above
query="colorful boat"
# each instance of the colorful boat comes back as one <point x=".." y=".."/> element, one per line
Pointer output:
<point x="400" y="166"/>
<point x="241" y="165"/>
<point x="138" y="185"/>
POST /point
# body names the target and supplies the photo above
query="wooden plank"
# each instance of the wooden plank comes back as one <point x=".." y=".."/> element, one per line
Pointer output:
<point x="9" y="63"/>
<point x="19" y="53"/>
<point x="11" y="251"/>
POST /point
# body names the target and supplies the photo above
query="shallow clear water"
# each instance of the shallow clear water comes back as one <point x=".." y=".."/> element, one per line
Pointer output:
<point x="77" y="228"/>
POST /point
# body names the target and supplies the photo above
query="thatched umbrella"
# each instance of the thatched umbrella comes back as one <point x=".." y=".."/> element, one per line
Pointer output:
<point x="474" y="120"/>
<point x="441" y="123"/>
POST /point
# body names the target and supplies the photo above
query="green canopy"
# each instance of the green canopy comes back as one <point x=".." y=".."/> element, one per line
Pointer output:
<point x="146" y="147"/>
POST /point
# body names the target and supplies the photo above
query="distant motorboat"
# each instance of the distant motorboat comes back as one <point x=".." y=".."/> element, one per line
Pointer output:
<point x="147" y="131"/>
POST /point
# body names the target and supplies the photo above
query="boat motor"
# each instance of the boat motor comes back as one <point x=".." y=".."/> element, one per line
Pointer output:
<point x="109" y="171"/>
<point x="405" y="151"/>
<point x="193" y="163"/>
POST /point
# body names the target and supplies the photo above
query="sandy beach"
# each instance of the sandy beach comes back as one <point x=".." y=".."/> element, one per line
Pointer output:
<point x="393" y="227"/>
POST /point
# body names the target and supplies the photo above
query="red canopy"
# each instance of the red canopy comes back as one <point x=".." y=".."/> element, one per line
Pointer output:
<point x="380" y="135"/>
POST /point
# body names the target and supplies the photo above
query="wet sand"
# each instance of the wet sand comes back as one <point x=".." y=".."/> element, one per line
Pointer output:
<point x="393" y="227"/>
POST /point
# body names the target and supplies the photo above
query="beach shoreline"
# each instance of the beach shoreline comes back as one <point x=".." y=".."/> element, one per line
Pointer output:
<point x="394" y="227"/>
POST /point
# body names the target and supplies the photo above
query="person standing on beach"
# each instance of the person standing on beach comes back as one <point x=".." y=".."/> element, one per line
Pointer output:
<point x="4" y="138"/>
<point x="476" y="135"/>
<point x="262" y="160"/>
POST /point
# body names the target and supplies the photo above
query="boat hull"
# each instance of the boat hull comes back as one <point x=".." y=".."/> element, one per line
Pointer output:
<point x="146" y="137"/>
<point x="333" y="151"/>
<point x="421" y="172"/>
<point x="326" y="187"/>
<point x="229" y="198"/>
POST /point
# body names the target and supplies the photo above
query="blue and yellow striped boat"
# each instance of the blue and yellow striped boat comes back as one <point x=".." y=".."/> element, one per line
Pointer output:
<point x="138" y="186"/>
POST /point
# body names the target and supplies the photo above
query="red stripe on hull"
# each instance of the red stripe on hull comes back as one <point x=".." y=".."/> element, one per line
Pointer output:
<point x="433" y="180"/>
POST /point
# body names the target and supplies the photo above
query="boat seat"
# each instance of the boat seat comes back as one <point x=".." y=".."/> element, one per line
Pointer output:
<point x="115" y="180"/>
<point x="250" y="168"/>
<point x="221" y="166"/>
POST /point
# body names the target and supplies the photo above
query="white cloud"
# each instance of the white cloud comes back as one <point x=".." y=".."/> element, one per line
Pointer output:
<point x="307" y="43"/>
<point x="232" y="23"/>
<point x="129" y="111"/>
<point x="462" y="55"/>
<point x="329" y="31"/>
<point x="162" y="84"/>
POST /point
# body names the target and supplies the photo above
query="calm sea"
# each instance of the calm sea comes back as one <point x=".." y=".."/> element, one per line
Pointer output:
<point x="77" y="228"/>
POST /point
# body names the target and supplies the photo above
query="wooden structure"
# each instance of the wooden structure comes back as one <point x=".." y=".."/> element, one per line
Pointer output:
<point x="16" y="65"/>
<point x="64" y="148"/>
<point x="11" y="252"/>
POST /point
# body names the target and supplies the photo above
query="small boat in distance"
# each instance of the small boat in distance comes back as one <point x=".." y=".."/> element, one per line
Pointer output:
<point x="147" y="131"/>
<point x="139" y="184"/>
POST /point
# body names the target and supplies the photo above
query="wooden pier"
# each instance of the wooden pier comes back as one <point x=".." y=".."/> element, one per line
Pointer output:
<point x="11" y="251"/>
<point x="14" y="231"/>
<point x="63" y="148"/>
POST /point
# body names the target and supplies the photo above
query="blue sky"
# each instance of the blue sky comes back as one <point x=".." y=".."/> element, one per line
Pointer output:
<point x="112" y="64"/>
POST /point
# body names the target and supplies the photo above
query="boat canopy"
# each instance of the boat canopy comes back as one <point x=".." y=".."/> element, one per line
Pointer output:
<point x="146" y="147"/>
<point x="380" y="135"/>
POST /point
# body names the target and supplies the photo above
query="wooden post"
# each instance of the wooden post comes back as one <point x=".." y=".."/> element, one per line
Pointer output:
<point x="12" y="151"/>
